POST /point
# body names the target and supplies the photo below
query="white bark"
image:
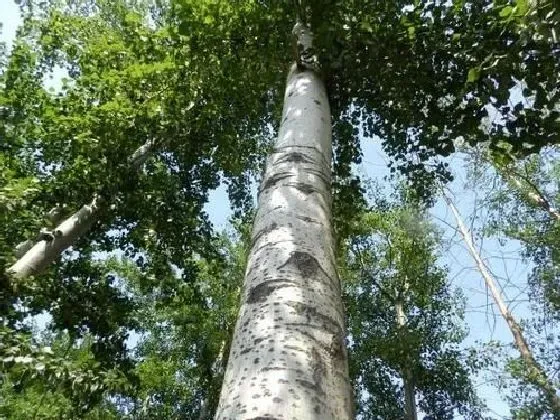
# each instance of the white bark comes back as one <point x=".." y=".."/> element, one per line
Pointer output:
<point x="524" y="186"/>
<point x="44" y="252"/>
<point x="141" y="155"/>
<point x="536" y="196"/>
<point x="23" y="247"/>
<point x="408" y="378"/>
<point x="536" y="374"/>
<point x="288" y="356"/>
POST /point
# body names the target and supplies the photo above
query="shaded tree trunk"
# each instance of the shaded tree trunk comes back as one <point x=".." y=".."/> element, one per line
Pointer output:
<point x="536" y="374"/>
<point x="408" y="377"/>
<point x="45" y="251"/>
<point x="208" y="404"/>
<point x="288" y="356"/>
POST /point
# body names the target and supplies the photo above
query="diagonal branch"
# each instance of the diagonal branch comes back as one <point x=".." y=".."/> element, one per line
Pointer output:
<point x="47" y="249"/>
<point x="536" y="374"/>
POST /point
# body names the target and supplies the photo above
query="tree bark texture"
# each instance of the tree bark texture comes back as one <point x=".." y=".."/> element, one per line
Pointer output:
<point x="44" y="252"/>
<point x="288" y="357"/>
<point x="536" y="374"/>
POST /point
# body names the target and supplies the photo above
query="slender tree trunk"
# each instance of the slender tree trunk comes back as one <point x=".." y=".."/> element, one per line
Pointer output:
<point x="408" y="377"/>
<point x="44" y="252"/>
<point x="536" y="195"/>
<point x="536" y="374"/>
<point x="217" y="368"/>
<point x="288" y="356"/>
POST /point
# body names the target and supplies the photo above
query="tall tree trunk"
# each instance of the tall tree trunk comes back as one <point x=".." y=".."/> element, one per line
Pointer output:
<point x="288" y="357"/>
<point x="45" y="251"/>
<point x="536" y="374"/>
<point x="408" y="377"/>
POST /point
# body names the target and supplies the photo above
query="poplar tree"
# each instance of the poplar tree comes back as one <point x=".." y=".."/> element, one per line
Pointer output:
<point x="288" y="354"/>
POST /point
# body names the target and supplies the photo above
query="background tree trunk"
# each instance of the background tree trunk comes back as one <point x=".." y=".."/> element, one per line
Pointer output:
<point x="408" y="378"/>
<point x="288" y="356"/>
<point x="531" y="191"/>
<point x="536" y="375"/>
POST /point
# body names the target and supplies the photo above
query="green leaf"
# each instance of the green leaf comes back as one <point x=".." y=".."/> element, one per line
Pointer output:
<point x="506" y="11"/>
<point x="473" y="75"/>
<point x="521" y="7"/>
<point x="411" y="32"/>
<point x="366" y="26"/>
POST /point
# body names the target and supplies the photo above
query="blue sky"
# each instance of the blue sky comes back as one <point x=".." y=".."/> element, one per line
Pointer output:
<point x="483" y="320"/>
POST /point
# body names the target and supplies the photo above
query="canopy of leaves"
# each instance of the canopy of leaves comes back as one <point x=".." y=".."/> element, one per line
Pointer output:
<point x="423" y="74"/>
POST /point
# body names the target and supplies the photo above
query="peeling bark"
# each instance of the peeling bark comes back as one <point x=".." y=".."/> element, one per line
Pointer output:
<point x="288" y="357"/>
